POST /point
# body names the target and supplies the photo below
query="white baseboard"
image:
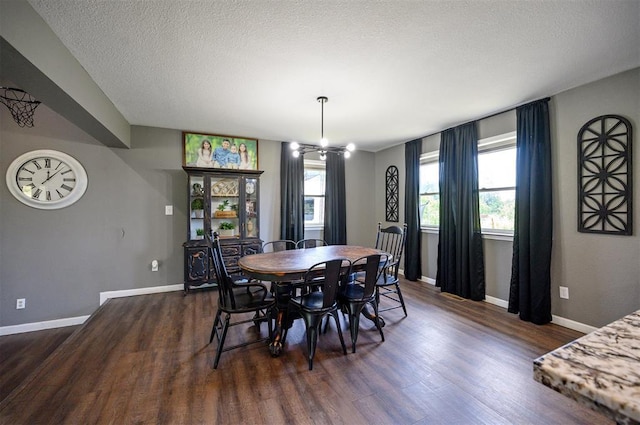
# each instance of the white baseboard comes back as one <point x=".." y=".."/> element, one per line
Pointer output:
<point x="104" y="296"/>
<point x="428" y="280"/>
<point x="71" y="321"/>
<point x="496" y="301"/>
<point x="560" y="321"/>
<point x="39" y="326"/>
<point x="571" y="324"/>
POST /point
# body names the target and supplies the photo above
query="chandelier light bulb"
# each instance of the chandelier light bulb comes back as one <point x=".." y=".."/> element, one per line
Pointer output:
<point x="323" y="156"/>
<point x="347" y="154"/>
<point x="350" y="147"/>
<point x="324" y="142"/>
<point x="296" y="153"/>
<point x="294" y="146"/>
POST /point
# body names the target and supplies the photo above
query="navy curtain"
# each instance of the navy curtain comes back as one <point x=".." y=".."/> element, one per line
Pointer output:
<point x="412" y="252"/>
<point x="530" y="289"/>
<point x="291" y="195"/>
<point x="335" y="202"/>
<point x="460" y="253"/>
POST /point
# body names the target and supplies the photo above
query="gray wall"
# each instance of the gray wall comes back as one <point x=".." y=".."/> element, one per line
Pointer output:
<point x="601" y="271"/>
<point x="61" y="260"/>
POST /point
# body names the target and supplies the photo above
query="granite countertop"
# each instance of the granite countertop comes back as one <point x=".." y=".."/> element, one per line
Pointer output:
<point x="601" y="369"/>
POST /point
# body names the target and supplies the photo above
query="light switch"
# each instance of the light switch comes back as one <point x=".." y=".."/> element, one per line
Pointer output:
<point x="168" y="210"/>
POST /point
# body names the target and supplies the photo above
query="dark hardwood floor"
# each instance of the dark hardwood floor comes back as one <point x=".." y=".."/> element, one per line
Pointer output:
<point x="146" y="360"/>
<point x="21" y="354"/>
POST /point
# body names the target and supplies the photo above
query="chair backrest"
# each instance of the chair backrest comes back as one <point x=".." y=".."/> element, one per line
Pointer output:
<point x="391" y="240"/>
<point x="310" y="243"/>
<point x="280" y="245"/>
<point x="330" y="275"/>
<point x="374" y="266"/>
<point x="225" y="282"/>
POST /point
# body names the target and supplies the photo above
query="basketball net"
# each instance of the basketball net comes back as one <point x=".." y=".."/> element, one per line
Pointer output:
<point x="21" y="104"/>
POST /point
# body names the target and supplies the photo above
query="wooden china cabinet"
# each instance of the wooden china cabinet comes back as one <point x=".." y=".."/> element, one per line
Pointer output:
<point x="226" y="202"/>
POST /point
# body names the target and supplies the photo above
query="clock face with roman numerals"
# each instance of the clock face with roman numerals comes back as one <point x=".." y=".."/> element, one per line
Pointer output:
<point x="46" y="179"/>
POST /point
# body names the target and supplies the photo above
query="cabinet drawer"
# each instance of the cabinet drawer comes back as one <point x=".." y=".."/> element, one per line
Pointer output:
<point x="251" y="248"/>
<point x="230" y="250"/>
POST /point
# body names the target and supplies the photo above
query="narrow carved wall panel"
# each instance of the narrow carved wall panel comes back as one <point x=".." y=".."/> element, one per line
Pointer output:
<point x="605" y="176"/>
<point x="392" y="193"/>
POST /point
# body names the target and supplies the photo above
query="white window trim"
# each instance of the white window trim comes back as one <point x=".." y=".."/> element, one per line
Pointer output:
<point x="314" y="226"/>
<point x="427" y="158"/>
<point x="315" y="163"/>
<point x="501" y="141"/>
<point x="493" y="235"/>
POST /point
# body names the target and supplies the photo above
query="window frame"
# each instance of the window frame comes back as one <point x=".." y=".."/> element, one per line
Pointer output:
<point x="425" y="159"/>
<point x="486" y="145"/>
<point x="315" y="164"/>
<point x="495" y="144"/>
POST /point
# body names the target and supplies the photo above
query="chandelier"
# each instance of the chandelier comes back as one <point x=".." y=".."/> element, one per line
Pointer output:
<point x="324" y="148"/>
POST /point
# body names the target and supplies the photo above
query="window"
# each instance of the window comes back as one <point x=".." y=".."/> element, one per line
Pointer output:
<point x="314" y="185"/>
<point x="429" y="190"/>
<point x="496" y="181"/>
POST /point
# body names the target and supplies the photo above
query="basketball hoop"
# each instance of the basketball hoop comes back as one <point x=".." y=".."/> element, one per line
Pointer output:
<point x="20" y="103"/>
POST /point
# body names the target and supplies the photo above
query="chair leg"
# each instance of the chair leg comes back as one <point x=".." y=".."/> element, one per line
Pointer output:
<point x="354" y="323"/>
<point x="216" y="322"/>
<point x="401" y="299"/>
<point x="313" y="325"/>
<point x="225" y="328"/>
<point x="270" y="318"/>
<point x="377" y="321"/>
<point x="335" y="316"/>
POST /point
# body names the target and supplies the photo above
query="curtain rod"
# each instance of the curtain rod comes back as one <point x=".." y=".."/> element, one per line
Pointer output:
<point x="483" y="118"/>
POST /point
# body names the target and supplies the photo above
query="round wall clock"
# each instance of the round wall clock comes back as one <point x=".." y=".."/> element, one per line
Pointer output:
<point x="46" y="179"/>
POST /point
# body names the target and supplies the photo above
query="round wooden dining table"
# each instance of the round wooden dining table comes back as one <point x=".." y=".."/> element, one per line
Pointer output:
<point x="284" y="267"/>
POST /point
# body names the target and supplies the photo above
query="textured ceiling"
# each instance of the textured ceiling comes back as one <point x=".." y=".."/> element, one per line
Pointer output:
<point x="393" y="70"/>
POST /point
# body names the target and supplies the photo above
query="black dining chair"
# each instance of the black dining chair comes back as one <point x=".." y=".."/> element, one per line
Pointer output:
<point x="391" y="240"/>
<point x="279" y="245"/>
<point x="237" y="299"/>
<point x="310" y="243"/>
<point x="318" y="300"/>
<point x="355" y="295"/>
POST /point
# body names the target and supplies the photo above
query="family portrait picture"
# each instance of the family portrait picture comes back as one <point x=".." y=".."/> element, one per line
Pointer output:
<point x="213" y="151"/>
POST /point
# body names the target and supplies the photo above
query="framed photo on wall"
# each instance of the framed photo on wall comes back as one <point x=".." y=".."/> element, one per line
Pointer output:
<point x="215" y="151"/>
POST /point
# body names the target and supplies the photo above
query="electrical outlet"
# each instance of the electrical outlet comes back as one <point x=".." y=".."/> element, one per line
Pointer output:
<point x="20" y="303"/>
<point x="154" y="266"/>
<point x="564" y="292"/>
<point x="168" y="209"/>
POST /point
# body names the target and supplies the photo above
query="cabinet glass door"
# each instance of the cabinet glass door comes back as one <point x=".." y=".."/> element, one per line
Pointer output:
<point x="225" y="198"/>
<point x="196" y="208"/>
<point x="251" y="208"/>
